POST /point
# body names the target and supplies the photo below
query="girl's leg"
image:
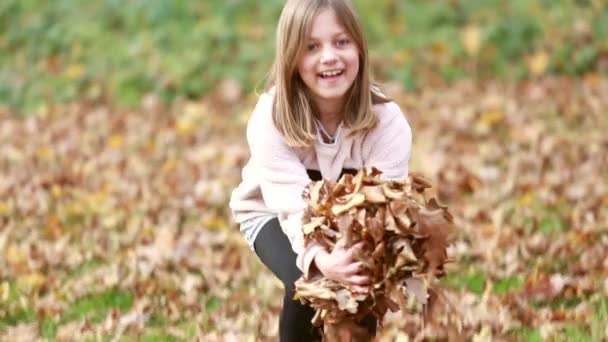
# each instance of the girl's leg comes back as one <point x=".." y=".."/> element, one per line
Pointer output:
<point x="274" y="249"/>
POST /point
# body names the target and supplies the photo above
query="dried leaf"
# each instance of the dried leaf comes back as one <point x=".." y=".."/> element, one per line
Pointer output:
<point x="314" y="223"/>
<point x="382" y="213"/>
<point x="417" y="288"/>
<point x="374" y="194"/>
<point x="352" y="201"/>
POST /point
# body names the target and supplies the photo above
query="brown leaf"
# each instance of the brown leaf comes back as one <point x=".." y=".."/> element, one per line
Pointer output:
<point x="374" y="194"/>
<point x="314" y="223"/>
<point x="351" y="202"/>
<point x="417" y="288"/>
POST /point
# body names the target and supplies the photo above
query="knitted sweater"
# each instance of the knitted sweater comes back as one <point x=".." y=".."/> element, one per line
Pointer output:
<point x="275" y="176"/>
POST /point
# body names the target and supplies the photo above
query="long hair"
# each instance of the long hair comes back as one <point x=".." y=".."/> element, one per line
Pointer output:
<point x="293" y="111"/>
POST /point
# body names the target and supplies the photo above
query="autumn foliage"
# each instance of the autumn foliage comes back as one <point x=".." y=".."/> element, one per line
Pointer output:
<point x="404" y="236"/>
<point x="114" y="224"/>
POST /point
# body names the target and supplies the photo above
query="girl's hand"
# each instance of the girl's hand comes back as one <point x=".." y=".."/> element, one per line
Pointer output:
<point x="340" y="266"/>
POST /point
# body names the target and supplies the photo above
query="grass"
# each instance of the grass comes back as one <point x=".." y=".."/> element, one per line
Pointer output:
<point x="158" y="337"/>
<point x="529" y="335"/>
<point x="475" y="281"/>
<point x="70" y="50"/>
<point x="93" y="307"/>
<point x="507" y="284"/>
<point x="471" y="279"/>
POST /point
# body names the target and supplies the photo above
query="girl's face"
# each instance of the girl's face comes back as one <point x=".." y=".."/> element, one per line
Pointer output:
<point x="330" y="62"/>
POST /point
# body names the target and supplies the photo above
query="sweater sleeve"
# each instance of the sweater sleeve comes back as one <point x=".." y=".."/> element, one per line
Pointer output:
<point x="282" y="178"/>
<point x="390" y="143"/>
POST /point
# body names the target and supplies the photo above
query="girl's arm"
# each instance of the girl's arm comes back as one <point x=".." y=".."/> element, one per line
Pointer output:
<point x="282" y="178"/>
<point x="389" y="145"/>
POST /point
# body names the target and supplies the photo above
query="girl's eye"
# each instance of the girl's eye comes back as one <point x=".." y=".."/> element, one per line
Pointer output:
<point x="343" y="42"/>
<point x="311" y="46"/>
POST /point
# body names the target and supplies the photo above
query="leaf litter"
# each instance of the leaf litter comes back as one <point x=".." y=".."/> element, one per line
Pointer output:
<point x="523" y="167"/>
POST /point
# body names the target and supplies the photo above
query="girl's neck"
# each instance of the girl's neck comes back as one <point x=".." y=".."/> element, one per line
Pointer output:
<point x="330" y="115"/>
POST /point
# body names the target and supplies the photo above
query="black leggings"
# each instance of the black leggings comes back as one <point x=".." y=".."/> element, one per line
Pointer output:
<point x="274" y="249"/>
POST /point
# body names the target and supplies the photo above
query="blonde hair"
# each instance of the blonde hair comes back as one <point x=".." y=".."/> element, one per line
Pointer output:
<point x="293" y="111"/>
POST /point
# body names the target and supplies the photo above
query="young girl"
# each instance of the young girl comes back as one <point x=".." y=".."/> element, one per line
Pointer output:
<point x="320" y="118"/>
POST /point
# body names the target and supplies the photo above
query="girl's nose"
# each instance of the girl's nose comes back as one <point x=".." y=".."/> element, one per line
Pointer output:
<point x="328" y="56"/>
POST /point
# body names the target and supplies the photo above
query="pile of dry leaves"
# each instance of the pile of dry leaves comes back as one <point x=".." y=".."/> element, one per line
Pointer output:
<point x="404" y="234"/>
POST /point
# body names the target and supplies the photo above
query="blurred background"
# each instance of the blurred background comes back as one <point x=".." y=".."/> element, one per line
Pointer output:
<point x="122" y="135"/>
<point x="119" y="51"/>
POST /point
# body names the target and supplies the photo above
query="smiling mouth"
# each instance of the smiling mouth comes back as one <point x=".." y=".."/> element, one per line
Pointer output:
<point x="331" y="74"/>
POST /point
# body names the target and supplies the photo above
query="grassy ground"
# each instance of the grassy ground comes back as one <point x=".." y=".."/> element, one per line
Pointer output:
<point x="70" y="50"/>
<point x="115" y="225"/>
<point x="118" y="151"/>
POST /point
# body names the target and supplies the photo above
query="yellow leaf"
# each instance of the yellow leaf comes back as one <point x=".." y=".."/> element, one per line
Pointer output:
<point x="5" y="208"/>
<point x="185" y="127"/>
<point x="471" y="39"/>
<point x="169" y="165"/>
<point x="489" y="229"/>
<point x="56" y="191"/>
<point x="538" y="63"/>
<point x="526" y="200"/>
<point x="45" y="153"/>
<point x="5" y="291"/>
<point x="74" y="209"/>
<point x="15" y="256"/>
<point x="96" y="202"/>
<point x="401" y="57"/>
<point x="215" y="223"/>
<point x="74" y="71"/>
<point x="439" y="49"/>
<point x="30" y="282"/>
<point x="189" y="121"/>
<point x="116" y="141"/>
<point x="491" y="118"/>
<point x="194" y="110"/>
<point x="42" y="112"/>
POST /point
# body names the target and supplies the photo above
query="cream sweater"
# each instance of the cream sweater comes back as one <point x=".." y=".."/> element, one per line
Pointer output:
<point x="275" y="176"/>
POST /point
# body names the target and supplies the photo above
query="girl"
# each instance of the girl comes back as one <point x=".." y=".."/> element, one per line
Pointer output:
<point x="320" y="118"/>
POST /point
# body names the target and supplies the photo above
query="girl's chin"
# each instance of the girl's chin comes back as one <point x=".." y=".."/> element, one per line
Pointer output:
<point x="331" y="92"/>
<point x="331" y="95"/>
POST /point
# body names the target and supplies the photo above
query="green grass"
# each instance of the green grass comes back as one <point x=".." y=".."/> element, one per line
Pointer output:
<point x="19" y="316"/>
<point x="69" y="50"/>
<point x="158" y="337"/>
<point x="508" y="284"/>
<point x="48" y="328"/>
<point x="529" y="335"/>
<point x="93" y="307"/>
<point x="96" y="306"/>
<point x="212" y="304"/>
<point x="576" y="334"/>
<point x="471" y="279"/>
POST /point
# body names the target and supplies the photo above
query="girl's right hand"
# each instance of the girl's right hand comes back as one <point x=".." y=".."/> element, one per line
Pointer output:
<point x="340" y="266"/>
